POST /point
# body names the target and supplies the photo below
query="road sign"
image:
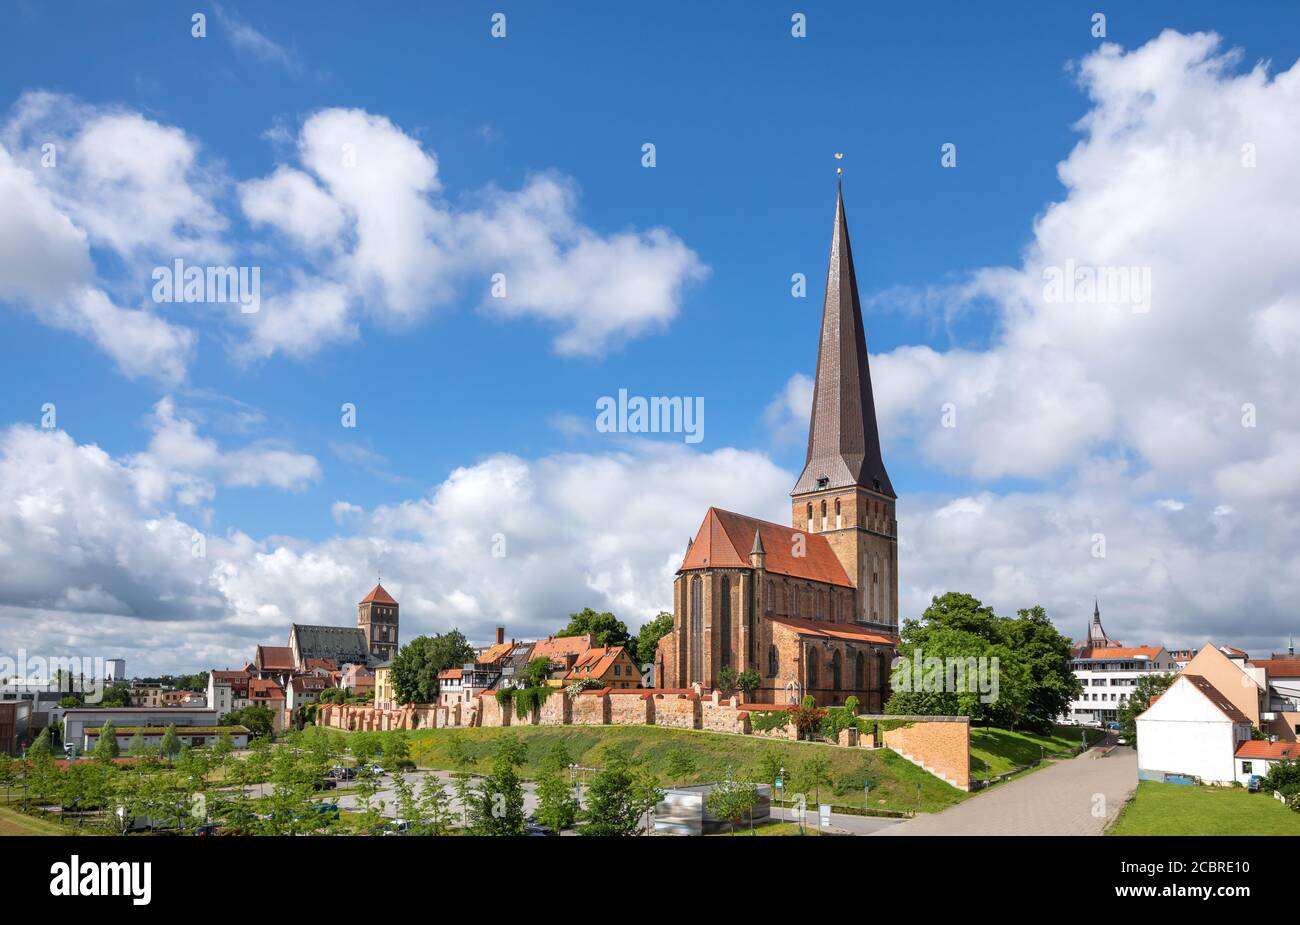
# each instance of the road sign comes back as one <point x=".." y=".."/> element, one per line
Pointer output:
<point x="824" y="814"/>
<point x="779" y="783"/>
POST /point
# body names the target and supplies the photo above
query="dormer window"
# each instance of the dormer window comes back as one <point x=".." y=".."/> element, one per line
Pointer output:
<point x="824" y="482"/>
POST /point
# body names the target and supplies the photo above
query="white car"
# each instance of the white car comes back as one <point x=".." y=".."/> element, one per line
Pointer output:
<point x="1121" y="741"/>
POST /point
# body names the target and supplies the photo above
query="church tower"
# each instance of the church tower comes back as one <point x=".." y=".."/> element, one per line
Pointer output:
<point x="377" y="618"/>
<point x="844" y="492"/>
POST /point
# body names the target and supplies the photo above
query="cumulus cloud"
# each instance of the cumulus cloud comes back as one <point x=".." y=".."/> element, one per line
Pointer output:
<point x="364" y="207"/>
<point x="1183" y="171"/>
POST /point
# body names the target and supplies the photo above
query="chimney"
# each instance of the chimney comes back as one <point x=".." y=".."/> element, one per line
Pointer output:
<point x="501" y="634"/>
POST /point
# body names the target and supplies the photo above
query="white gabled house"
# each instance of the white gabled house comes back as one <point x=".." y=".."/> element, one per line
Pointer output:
<point x="1191" y="729"/>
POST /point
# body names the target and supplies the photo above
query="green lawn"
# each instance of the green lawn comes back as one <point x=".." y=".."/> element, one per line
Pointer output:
<point x="12" y="822"/>
<point x="772" y="828"/>
<point x="1171" y="809"/>
<point x="893" y="779"/>
<point x="996" y="751"/>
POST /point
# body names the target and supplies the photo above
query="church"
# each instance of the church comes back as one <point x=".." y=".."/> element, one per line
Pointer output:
<point x="813" y="607"/>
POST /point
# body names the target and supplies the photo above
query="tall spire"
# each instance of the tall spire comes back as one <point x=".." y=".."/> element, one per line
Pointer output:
<point x="843" y="442"/>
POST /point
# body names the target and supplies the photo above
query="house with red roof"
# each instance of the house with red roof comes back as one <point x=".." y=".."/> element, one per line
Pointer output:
<point x="610" y="665"/>
<point x="811" y="608"/>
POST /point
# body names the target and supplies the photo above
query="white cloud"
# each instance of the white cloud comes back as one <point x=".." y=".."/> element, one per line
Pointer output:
<point x="1158" y="180"/>
<point x="368" y="196"/>
<point x="248" y="39"/>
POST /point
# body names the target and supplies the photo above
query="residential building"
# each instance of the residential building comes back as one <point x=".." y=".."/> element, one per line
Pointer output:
<point x="146" y="695"/>
<point x="1193" y="729"/>
<point x="1108" y="673"/>
<point x="754" y="595"/>
<point x="302" y="690"/>
<point x="227" y="691"/>
<point x="562" y="652"/>
<point x="385" y="696"/>
<point x="357" y="679"/>
<point x="1243" y="684"/>
<point x="274" y="663"/>
<point x="611" y="666"/>
<point x="451" y="687"/>
<point x="1281" y="711"/>
<point x="1259" y="757"/>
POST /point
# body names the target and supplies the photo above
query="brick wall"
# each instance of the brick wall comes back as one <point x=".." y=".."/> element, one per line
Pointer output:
<point x="591" y="708"/>
<point x="939" y="744"/>
<point x="630" y="709"/>
<point x="677" y="711"/>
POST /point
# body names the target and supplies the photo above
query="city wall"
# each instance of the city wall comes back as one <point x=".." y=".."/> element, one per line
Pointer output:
<point x="939" y="744"/>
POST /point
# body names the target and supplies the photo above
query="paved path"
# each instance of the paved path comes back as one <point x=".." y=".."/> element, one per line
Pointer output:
<point x="1076" y="796"/>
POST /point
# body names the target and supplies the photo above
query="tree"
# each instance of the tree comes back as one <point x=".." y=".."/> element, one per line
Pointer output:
<point x="136" y="747"/>
<point x="681" y="765"/>
<point x="748" y="682"/>
<point x="608" y="629"/>
<point x="556" y="805"/>
<point x="415" y="667"/>
<point x="258" y="720"/>
<point x="812" y="775"/>
<point x="41" y="747"/>
<point x="462" y="760"/>
<point x="807" y="717"/>
<point x="106" y="748"/>
<point x="497" y="805"/>
<point x="727" y="680"/>
<point x="1148" y="687"/>
<point x="647" y="639"/>
<point x="619" y="796"/>
<point x="435" y="809"/>
<point x="1048" y="655"/>
<point x="171" y="742"/>
<point x="769" y="766"/>
<point x="537" y="671"/>
<point x="1284" y="777"/>
<point x="732" y="800"/>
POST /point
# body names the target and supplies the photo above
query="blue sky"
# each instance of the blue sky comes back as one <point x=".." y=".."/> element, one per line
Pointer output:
<point x="745" y="119"/>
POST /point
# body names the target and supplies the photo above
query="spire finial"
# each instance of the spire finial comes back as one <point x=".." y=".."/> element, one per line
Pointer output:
<point x="839" y="171"/>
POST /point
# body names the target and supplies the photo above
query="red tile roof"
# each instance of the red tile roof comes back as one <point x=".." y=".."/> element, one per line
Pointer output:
<point x="451" y="673"/>
<point x="229" y="675"/>
<point x="1112" y="652"/>
<point x="266" y="689"/>
<point x="1273" y="750"/>
<point x="557" y="647"/>
<point x="378" y="596"/>
<point x="725" y="539"/>
<point x="850" y="631"/>
<point x="1279" y="667"/>
<point x="326" y="663"/>
<point x="1212" y="694"/>
<point x="496" y="652"/>
<point x="596" y="663"/>
<point x="275" y="658"/>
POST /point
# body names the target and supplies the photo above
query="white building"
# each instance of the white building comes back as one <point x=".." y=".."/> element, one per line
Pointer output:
<point x="227" y="691"/>
<point x="1108" y="673"/>
<point x="1192" y="730"/>
<point x="1258" y="758"/>
<point x="77" y="720"/>
<point x="114" y="670"/>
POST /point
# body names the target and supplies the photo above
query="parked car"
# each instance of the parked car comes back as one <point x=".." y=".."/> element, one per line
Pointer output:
<point x="327" y="783"/>
<point x="1122" y="741"/>
<point x="206" y="829"/>
<point x="1253" y="784"/>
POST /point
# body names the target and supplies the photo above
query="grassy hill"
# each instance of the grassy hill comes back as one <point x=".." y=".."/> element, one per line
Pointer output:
<point x="1171" y="809"/>
<point x="894" y="780"/>
<point x="996" y="751"/>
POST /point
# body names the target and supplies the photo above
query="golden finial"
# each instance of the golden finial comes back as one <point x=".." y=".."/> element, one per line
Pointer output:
<point x="839" y="171"/>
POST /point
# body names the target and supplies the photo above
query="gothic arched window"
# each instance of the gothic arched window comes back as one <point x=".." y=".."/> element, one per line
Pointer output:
<point x="724" y="622"/>
<point x="836" y="662"/>
<point x="812" y="669"/>
<point x="773" y="662"/>
<point x="697" y="630"/>
<point x="860" y="672"/>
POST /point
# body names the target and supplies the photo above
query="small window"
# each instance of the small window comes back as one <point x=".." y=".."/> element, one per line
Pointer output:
<point x="823" y="482"/>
